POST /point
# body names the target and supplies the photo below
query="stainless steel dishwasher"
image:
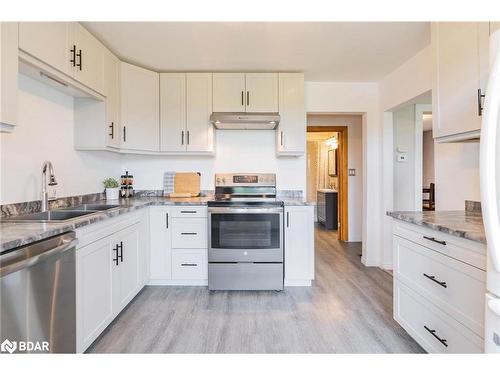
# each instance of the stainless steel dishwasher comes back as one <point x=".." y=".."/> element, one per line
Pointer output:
<point x="38" y="299"/>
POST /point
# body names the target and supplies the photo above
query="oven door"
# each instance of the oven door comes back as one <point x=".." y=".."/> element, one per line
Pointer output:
<point x="245" y="234"/>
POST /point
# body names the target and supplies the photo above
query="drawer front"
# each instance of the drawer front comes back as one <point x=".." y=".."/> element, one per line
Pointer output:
<point x="470" y="252"/>
<point x="434" y="330"/>
<point x="189" y="211"/>
<point x="189" y="264"/>
<point x="189" y="233"/>
<point x="455" y="287"/>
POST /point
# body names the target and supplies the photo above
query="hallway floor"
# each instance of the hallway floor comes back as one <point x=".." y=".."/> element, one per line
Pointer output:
<point x="347" y="310"/>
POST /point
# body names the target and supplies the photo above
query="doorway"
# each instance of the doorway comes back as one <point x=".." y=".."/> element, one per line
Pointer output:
<point x="327" y="170"/>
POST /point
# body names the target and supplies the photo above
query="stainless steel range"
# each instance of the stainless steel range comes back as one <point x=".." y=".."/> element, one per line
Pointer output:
<point x="245" y="249"/>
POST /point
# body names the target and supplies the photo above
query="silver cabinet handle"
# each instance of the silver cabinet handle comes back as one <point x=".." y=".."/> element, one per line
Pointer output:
<point x="480" y="97"/>
<point x="166" y="220"/>
<point x="433" y="333"/>
<point x="182" y="137"/>
<point x="187" y="212"/>
<point x="281" y="135"/>
<point x="242" y="98"/>
<point x="288" y="219"/>
<point x="433" y="278"/>
<point x="188" y="137"/>
<point x="189" y="233"/>
<point x="189" y="264"/>
<point x="124" y="134"/>
<point x="248" y="97"/>
<point x="434" y="240"/>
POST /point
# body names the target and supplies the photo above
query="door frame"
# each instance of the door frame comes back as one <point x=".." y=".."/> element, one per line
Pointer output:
<point x="343" y="233"/>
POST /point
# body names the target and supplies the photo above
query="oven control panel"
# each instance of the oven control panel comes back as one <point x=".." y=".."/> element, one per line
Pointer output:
<point x="250" y="179"/>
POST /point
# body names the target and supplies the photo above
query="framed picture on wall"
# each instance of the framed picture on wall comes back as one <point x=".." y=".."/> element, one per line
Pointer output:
<point x="332" y="163"/>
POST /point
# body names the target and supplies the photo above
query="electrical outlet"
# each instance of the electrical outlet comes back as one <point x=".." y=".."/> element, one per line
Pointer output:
<point x="351" y="172"/>
<point x="402" y="158"/>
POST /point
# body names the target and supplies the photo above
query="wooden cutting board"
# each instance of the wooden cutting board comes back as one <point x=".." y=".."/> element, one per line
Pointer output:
<point x="187" y="182"/>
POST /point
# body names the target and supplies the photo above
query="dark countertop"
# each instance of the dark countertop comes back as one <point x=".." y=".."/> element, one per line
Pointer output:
<point x="463" y="224"/>
<point x="18" y="234"/>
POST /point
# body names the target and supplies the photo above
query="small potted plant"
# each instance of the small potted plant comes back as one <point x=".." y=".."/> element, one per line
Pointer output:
<point x="112" y="191"/>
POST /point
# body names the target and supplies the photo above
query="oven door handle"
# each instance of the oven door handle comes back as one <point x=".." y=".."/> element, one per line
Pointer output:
<point x="244" y="210"/>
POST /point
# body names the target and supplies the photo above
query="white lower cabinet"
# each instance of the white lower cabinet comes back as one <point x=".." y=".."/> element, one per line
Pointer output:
<point x="110" y="272"/>
<point x="178" y="245"/>
<point x="299" y="245"/>
<point x="439" y="289"/>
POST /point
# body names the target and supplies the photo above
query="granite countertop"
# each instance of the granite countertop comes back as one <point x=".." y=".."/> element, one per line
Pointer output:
<point x="14" y="234"/>
<point x="463" y="224"/>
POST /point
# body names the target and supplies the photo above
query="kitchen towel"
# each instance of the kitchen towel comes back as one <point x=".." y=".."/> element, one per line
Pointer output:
<point x="168" y="183"/>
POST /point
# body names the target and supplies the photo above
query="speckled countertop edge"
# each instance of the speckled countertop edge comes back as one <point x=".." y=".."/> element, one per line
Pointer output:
<point x="462" y="224"/>
<point x="15" y="234"/>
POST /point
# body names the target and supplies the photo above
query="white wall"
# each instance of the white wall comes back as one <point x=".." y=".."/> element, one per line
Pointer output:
<point x="355" y="160"/>
<point x="457" y="174"/>
<point x="236" y="151"/>
<point x="410" y="80"/>
<point x="404" y="172"/>
<point x="45" y="132"/>
<point x="358" y="98"/>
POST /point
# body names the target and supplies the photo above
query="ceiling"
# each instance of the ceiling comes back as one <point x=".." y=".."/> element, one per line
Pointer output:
<point x="324" y="51"/>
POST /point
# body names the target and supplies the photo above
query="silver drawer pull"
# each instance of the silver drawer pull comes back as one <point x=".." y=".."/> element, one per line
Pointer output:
<point x="189" y="264"/>
<point x="188" y="212"/>
<point x="433" y="333"/>
<point x="434" y="240"/>
<point x="189" y="233"/>
<point x="433" y="278"/>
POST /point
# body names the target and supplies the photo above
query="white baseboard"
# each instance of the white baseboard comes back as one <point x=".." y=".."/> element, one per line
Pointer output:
<point x="298" y="282"/>
<point x="157" y="282"/>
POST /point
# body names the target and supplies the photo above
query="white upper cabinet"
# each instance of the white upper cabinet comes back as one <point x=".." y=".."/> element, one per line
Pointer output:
<point x="139" y="103"/>
<point x="229" y="92"/>
<point x="185" y="108"/>
<point x="200" y="132"/>
<point x="460" y="70"/>
<point x="494" y="26"/>
<point x="245" y="92"/>
<point x="8" y="76"/>
<point x="111" y="89"/>
<point x="173" y="111"/>
<point x="261" y="92"/>
<point x="89" y="59"/>
<point x="50" y="42"/>
<point x="291" y="132"/>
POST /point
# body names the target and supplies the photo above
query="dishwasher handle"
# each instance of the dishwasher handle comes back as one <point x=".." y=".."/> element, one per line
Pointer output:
<point x="31" y="261"/>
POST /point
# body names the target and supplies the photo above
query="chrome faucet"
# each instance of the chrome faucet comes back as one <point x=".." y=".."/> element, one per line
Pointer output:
<point x="52" y="182"/>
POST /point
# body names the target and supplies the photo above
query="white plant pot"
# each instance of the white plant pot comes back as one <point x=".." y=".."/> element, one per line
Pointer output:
<point x="112" y="193"/>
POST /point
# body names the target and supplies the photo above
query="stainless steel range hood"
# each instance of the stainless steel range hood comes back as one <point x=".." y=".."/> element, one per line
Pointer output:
<point x="245" y="120"/>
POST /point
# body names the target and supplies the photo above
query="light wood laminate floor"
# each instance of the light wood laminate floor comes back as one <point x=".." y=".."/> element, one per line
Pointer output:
<point x="347" y="310"/>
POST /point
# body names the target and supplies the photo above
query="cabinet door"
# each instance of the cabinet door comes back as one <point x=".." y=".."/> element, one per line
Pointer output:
<point x="299" y="243"/>
<point x="139" y="103"/>
<point x="291" y="132"/>
<point x="160" y="233"/>
<point x="94" y="291"/>
<point x="457" y="76"/>
<point x="89" y="59"/>
<point x="8" y="74"/>
<point x="200" y="132"/>
<point x="111" y="88"/>
<point x="229" y="92"/>
<point x="261" y="92"/>
<point x="126" y="280"/>
<point x="49" y="42"/>
<point x="173" y="111"/>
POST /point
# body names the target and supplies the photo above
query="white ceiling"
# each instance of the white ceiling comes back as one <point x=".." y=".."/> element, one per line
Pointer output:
<point x="324" y="51"/>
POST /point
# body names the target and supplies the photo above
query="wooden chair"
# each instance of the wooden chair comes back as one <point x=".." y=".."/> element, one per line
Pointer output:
<point x="429" y="204"/>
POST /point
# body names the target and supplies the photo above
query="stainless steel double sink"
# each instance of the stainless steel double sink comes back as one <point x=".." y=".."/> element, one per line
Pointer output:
<point x="62" y="215"/>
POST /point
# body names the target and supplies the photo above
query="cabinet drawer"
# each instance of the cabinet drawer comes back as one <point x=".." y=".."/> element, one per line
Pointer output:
<point x="189" y="233"/>
<point x="470" y="252"/>
<point x="189" y="264"/>
<point x="189" y="211"/>
<point x="434" y="330"/>
<point x="453" y="286"/>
